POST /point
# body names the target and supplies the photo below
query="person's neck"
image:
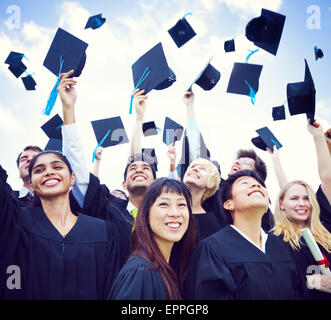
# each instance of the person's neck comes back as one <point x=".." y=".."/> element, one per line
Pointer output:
<point x="135" y="199"/>
<point x="197" y="195"/>
<point x="165" y="249"/>
<point x="250" y="225"/>
<point x="27" y="185"/>
<point x="58" y="211"/>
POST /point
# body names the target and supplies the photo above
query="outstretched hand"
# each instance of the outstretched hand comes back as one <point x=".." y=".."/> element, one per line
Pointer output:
<point x="66" y="89"/>
<point x="171" y="153"/>
<point x="315" y="128"/>
<point x="188" y="97"/>
<point x="139" y="100"/>
<point x="98" y="155"/>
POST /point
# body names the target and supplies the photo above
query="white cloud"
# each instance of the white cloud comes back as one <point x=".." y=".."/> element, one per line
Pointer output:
<point x="8" y="121"/>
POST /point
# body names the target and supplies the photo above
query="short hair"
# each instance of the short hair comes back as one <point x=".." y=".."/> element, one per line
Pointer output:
<point x="260" y="166"/>
<point x="140" y="157"/>
<point x="34" y="148"/>
<point x="58" y="154"/>
<point x="214" y="177"/>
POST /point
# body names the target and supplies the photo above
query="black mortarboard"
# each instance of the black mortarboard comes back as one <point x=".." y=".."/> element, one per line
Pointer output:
<point x="29" y="83"/>
<point x="265" y="31"/>
<point x="243" y="76"/>
<point x="150" y="152"/>
<point x="14" y="59"/>
<point x="54" y="144"/>
<point x="266" y="139"/>
<point x="318" y="53"/>
<point x="181" y="32"/>
<point x="151" y="71"/>
<point x="278" y="113"/>
<point x="17" y="71"/>
<point x="52" y="127"/>
<point x="172" y="131"/>
<point x="301" y="96"/>
<point x="95" y="22"/>
<point x="229" y="46"/>
<point x="69" y="48"/>
<point x="149" y="129"/>
<point x="208" y="77"/>
<point x="117" y="134"/>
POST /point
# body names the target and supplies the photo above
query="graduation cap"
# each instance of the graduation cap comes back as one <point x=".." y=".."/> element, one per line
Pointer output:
<point x="29" y="82"/>
<point x="54" y="144"/>
<point x="265" y="31"/>
<point x="229" y="46"/>
<point x="301" y="96"/>
<point x="52" y="127"/>
<point x="172" y="131"/>
<point x="95" y="22"/>
<point x="65" y="53"/>
<point x="150" y="153"/>
<point x="14" y="59"/>
<point x="208" y="77"/>
<point x="149" y="129"/>
<point x="17" y="71"/>
<point x="266" y="139"/>
<point x="278" y="113"/>
<point x="109" y="132"/>
<point x="151" y="71"/>
<point x="182" y="32"/>
<point x="318" y="53"/>
<point x="244" y="79"/>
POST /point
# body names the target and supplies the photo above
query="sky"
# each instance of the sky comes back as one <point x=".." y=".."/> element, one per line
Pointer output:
<point x="227" y="121"/>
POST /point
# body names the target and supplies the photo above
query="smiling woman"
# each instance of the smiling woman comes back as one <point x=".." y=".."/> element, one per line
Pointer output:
<point x="61" y="255"/>
<point x="163" y="240"/>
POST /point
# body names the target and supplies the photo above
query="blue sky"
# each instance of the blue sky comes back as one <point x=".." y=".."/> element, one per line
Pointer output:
<point x="227" y="121"/>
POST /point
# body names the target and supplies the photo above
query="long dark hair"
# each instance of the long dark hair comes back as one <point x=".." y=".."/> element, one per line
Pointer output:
<point x="144" y="245"/>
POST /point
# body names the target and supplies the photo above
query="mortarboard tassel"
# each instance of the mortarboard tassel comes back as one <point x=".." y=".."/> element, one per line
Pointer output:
<point x="99" y="145"/>
<point x="251" y="52"/>
<point x="53" y="95"/>
<point x="141" y="80"/>
<point x="186" y="14"/>
<point x="275" y="143"/>
<point x="252" y="93"/>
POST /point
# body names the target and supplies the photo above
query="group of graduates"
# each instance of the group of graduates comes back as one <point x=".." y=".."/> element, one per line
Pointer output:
<point x="188" y="236"/>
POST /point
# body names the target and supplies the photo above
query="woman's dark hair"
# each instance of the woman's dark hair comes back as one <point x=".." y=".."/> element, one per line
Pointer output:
<point x="144" y="245"/>
<point x="228" y="183"/>
<point x="58" y="154"/>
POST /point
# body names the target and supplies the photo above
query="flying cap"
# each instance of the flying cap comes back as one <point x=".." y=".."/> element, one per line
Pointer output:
<point x="54" y="144"/>
<point x="29" y="83"/>
<point x="301" y="96"/>
<point x="266" y="31"/>
<point x="266" y="139"/>
<point x="172" y="131"/>
<point x="52" y="127"/>
<point x="208" y="77"/>
<point x="66" y="53"/>
<point x="149" y="128"/>
<point x="244" y="78"/>
<point x="318" y="53"/>
<point x="95" y="22"/>
<point x="16" y="66"/>
<point x="151" y="71"/>
<point x="182" y="32"/>
<point x="278" y="113"/>
<point x="229" y="46"/>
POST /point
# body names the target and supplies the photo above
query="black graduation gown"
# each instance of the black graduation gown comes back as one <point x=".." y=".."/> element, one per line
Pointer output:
<point x="227" y="266"/>
<point x="81" y="265"/>
<point x="206" y="224"/>
<point x="137" y="280"/>
<point x="325" y="214"/>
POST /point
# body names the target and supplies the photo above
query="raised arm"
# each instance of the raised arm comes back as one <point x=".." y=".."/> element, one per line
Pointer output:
<point x="139" y="101"/>
<point x="72" y="146"/>
<point x="192" y="131"/>
<point x="171" y="153"/>
<point x="323" y="157"/>
<point x="279" y="171"/>
<point x="97" y="162"/>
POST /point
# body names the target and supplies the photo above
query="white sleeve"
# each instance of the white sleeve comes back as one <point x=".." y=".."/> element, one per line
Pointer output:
<point x="73" y="150"/>
<point x="193" y="137"/>
<point x="173" y="175"/>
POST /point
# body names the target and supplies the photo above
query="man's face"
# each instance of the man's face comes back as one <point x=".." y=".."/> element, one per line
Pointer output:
<point x="24" y="163"/>
<point x="242" y="164"/>
<point x="139" y="177"/>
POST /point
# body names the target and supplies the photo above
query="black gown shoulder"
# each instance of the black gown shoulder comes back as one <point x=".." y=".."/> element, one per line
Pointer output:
<point x="137" y="280"/>
<point x="325" y="213"/>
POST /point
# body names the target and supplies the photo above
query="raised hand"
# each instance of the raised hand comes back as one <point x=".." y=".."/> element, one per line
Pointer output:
<point x="66" y="89"/>
<point x="188" y="97"/>
<point x="139" y="100"/>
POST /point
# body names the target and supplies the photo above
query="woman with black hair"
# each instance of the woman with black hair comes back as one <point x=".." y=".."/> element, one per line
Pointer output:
<point x="241" y="261"/>
<point x="163" y="240"/>
<point x="58" y="254"/>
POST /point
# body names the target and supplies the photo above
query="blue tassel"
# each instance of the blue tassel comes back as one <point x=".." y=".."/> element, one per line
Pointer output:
<point x="141" y="80"/>
<point x="99" y="145"/>
<point x="275" y="143"/>
<point x="252" y="93"/>
<point x="186" y="14"/>
<point x="251" y="53"/>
